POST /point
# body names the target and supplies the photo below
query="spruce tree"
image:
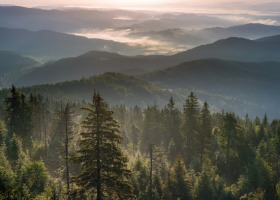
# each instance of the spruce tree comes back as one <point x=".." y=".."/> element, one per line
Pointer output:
<point x="171" y="120"/>
<point x="191" y="126"/>
<point x="204" y="190"/>
<point x="104" y="167"/>
<point x="12" y="112"/>
<point x="230" y="136"/>
<point x="18" y="116"/>
<point x="204" y="136"/>
<point x="181" y="183"/>
<point x="67" y="117"/>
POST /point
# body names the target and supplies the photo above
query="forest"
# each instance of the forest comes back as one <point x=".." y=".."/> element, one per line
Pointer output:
<point x="54" y="149"/>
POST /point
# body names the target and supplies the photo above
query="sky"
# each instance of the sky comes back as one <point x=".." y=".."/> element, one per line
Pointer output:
<point x="146" y="4"/>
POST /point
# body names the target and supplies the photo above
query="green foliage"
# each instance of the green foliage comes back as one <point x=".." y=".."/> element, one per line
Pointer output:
<point x="15" y="151"/>
<point x="203" y="190"/>
<point x="181" y="183"/>
<point x="191" y="127"/>
<point x="151" y="127"/>
<point x="204" y="136"/>
<point x="18" y="116"/>
<point x="3" y="132"/>
<point x="171" y="119"/>
<point x="104" y="168"/>
<point x="34" y="176"/>
<point x="224" y="157"/>
<point x="6" y="175"/>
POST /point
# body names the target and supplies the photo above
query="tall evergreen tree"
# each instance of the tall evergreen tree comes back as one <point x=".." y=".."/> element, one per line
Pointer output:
<point x="191" y="126"/>
<point x="204" y="136"/>
<point x="181" y="183"/>
<point x="13" y="112"/>
<point x="18" y="116"/>
<point x="204" y="190"/>
<point x="171" y="120"/>
<point x="104" y="167"/>
<point x="68" y="134"/>
<point x="230" y="135"/>
<point x="151" y="128"/>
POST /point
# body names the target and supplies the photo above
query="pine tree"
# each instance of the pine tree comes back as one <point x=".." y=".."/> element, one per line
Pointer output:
<point x="204" y="137"/>
<point x="203" y="190"/>
<point x="6" y="175"/>
<point x="135" y="137"/>
<point x="19" y="116"/>
<point x="13" y="112"/>
<point x="171" y="120"/>
<point x="230" y="135"/>
<point x="68" y="133"/>
<point x="25" y="121"/>
<point x="191" y="126"/>
<point x="104" y="167"/>
<point x="181" y="184"/>
<point x="151" y="128"/>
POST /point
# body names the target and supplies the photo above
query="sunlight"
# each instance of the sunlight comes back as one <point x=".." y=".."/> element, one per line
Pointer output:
<point x="137" y="2"/>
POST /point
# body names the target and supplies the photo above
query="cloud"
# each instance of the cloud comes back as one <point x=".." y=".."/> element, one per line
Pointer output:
<point x="240" y="19"/>
<point x="152" y="46"/>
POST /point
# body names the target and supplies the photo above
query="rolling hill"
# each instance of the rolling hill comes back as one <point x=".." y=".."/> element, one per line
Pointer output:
<point x="46" y="44"/>
<point x="13" y="65"/>
<point x="239" y="49"/>
<point x="114" y="87"/>
<point x="94" y="63"/>
<point x="221" y="84"/>
<point x="253" y="85"/>
<point x="193" y="38"/>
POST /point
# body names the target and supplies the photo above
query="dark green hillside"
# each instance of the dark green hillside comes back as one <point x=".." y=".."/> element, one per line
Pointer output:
<point x="10" y="61"/>
<point x="94" y="63"/>
<point x="12" y="65"/>
<point x="250" y="87"/>
<point x="115" y="87"/>
<point x="214" y="74"/>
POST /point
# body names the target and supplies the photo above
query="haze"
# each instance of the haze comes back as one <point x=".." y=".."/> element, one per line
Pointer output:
<point x="180" y="5"/>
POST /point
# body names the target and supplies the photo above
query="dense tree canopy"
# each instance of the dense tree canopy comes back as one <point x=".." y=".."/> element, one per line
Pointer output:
<point x="196" y="153"/>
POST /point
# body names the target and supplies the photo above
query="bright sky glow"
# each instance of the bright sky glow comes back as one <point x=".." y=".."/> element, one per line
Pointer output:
<point x="141" y="4"/>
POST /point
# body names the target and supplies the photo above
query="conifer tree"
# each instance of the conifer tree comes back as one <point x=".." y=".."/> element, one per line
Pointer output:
<point x="203" y="190"/>
<point x="204" y="136"/>
<point x="230" y="135"/>
<point x="151" y="128"/>
<point x="104" y="167"/>
<point x="18" y="116"/>
<point x="181" y="184"/>
<point x="67" y="118"/>
<point x="13" y="111"/>
<point x="171" y="126"/>
<point x="6" y="175"/>
<point x="191" y="126"/>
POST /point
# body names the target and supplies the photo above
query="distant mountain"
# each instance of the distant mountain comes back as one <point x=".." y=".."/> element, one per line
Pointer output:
<point x="47" y="44"/>
<point x="74" y="19"/>
<point x="10" y="62"/>
<point x="94" y="63"/>
<point x="64" y="20"/>
<point x="239" y="49"/>
<point x="114" y="87"/>
<point x="233" y="86"/>
<point x="193" y="38"/>
<point x="237" y="86"/>
<point x="12" y="65"/>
